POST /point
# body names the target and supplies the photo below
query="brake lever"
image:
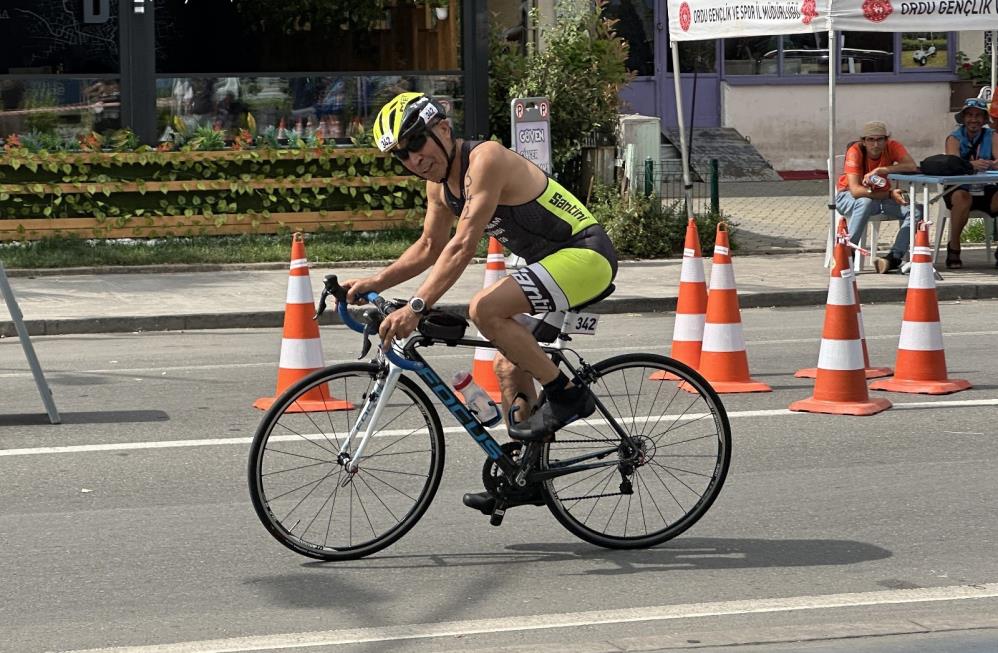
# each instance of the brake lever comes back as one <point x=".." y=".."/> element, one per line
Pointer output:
<point x="322" y="305"/>
<point x="367" y="341"/>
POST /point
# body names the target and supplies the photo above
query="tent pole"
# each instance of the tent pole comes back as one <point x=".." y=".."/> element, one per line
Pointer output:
<point x="683" y="151"/>
<point x="833" y="65"/>
<point x="994" y="56"/>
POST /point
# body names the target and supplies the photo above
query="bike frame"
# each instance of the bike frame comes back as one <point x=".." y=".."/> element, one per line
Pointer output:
<point x="414" y="362"/>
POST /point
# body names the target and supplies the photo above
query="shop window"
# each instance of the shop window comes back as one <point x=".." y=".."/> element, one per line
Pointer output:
<point x="752" y="55"/>
<point x="867" y="52"/>
<point x="334" y="107"/>
<point x="203" y="36"/>
<point x="696" y="56"/>
<point x="925" y="50"/>
<point x="636" y="25"/>
<point x="46" y="37"/>
<point x="804" y="54"/>
<point x="68" y="107"/>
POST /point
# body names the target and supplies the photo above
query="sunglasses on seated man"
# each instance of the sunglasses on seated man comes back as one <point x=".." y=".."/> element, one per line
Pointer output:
<point x="415" y="144"/>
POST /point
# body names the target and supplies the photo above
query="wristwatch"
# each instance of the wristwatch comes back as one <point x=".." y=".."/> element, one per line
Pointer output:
<point x="418" y="306"/>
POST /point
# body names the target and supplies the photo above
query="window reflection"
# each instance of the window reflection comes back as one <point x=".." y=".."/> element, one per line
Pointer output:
<point x="68" y="107"/>
<point x="333" y="108"/>
<point x="803" y="54"/>
<point x="55" y="36"/>
<point x="253" y="36"/>
<point x="750" y="55"/>
<point x="867" y="52"/>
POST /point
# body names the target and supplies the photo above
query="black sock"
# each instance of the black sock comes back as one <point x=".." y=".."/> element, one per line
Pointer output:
<point x="556" y="388"/>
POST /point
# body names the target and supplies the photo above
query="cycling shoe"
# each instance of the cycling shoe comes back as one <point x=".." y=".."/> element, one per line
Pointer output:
<point x="553" y="415"/>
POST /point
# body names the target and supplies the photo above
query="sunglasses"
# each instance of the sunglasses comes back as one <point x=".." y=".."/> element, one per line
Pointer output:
<point x="415" y="144"/>
<point x="874" y="139"/>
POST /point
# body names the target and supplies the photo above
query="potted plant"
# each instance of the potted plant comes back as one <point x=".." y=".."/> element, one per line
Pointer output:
<point x="440" y="8"/>
<point x="971" y="76"/>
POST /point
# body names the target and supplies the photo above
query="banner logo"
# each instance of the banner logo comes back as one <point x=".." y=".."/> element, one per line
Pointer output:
<point x="809" y="11"/>
<point x="684" y="16"/>
<point x="877" y="11"/>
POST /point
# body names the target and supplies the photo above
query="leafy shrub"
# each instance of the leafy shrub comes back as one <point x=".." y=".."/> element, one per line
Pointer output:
<point x="645" y="227"/>
<point x="580" y="70"/>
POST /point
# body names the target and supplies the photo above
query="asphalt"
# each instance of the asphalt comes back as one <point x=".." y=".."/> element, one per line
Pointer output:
<point x="176" y="298"/>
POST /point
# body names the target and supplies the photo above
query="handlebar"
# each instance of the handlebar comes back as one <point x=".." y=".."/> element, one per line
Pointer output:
<point x="333" y="287"/>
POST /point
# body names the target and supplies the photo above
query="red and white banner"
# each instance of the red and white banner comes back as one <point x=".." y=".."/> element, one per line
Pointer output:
<point x="692" y="20"/>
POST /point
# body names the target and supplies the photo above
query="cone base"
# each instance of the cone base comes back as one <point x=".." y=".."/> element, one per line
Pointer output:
<point x="871" y="372"/>
<point x="306" y="406"/>
<point x="943" y="387"/>
<point x="860" y="408"/>
<point x="733" y="387"/>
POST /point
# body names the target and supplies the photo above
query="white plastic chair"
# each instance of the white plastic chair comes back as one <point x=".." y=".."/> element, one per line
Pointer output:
<point x="990" y="227"/>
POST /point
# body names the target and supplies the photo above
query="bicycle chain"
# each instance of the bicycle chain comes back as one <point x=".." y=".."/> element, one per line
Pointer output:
<point x="587" y="496"/>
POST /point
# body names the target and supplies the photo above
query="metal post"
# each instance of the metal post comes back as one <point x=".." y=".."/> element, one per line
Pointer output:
<point x="715" y="191"/>
<point x="683" y="147"/>
<point x="29" y="351"/>
<point x="994" y="57"/>
<point x="833" y="66"/>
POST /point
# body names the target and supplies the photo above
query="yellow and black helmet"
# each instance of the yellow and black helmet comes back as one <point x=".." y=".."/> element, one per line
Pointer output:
<point x="404" y="115"/>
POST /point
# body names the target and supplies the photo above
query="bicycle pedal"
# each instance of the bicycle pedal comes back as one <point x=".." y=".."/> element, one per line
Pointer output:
<point x="497" y="515"/>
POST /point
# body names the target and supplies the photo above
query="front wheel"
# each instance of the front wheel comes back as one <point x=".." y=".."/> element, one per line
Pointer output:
<point x="661" y="482"/>
<point x="310" y="492"/>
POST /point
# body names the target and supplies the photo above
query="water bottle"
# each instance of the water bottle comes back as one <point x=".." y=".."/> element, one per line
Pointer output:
<point x="476" y="399"/>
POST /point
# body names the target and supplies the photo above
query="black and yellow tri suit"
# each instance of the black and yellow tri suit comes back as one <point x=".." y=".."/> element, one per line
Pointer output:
<point x="570" y="259"/>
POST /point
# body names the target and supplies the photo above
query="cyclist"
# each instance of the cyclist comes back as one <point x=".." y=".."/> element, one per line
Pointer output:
<point x="494" y="191"/>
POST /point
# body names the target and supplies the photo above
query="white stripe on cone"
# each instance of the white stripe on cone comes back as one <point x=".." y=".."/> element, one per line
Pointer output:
<point x="840" y="292"/>
<point x="299" y="291"/>
<point x="688" y="327"/>
<point x="840" y="355"/>
<point x="722" y="277"/>
<point x="921" y="336"/>
<point x="299" y="263"/>
<point x="723" y="337"/>
<point x="924" y="251"/>
<point x="922" y="276"/>
<point x="496" y="258"/>
<point x="692" y="270"/>
<point x="301" y="354"/>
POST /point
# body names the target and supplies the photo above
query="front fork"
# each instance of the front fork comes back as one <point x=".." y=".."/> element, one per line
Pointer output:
<point x="374" y="404"/>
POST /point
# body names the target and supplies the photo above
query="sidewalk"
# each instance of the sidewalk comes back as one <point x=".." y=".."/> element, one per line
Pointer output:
<point x="229" y="297"/>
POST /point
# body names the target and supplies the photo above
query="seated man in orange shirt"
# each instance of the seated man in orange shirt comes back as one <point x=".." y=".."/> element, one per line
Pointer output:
<point x="859" y="196"/>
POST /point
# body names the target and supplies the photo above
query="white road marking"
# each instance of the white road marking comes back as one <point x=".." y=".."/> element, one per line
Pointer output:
<point x="563" y="620"/>
<point x="585" y="351"/>
<point x="207" y="442"/>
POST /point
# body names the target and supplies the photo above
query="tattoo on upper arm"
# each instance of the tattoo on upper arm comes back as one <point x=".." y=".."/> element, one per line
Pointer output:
<point x="466" y="213"/>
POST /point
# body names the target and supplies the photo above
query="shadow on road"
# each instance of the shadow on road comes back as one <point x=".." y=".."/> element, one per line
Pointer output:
<point x="86" y="417"/>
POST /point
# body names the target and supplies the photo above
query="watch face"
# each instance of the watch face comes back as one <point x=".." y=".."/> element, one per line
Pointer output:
<point x="417" y="305"/>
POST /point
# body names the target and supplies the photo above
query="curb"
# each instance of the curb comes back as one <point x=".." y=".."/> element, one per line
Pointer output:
<point x="275" y="319"/>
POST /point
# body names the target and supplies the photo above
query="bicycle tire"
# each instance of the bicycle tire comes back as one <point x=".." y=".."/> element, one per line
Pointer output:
<point x="667" y="460"/>
<point x="294" y="454"/>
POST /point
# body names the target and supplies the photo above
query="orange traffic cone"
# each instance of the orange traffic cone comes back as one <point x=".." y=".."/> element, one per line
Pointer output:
<point x="840" y="384"/>
<point x="691" y="305"/>
<point x="871" y="372"/>
<point x="723" y="361"/>
<point x="921" y="359"/>
<point x="482" y="371"/>
<point x="301" y="348"/>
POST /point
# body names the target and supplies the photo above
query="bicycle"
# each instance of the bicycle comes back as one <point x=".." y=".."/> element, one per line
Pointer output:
<point x="343" y="484"/>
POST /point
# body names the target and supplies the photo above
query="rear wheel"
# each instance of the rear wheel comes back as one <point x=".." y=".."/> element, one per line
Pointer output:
<point x="301" y="480"/>
<point x="664" y="481"/>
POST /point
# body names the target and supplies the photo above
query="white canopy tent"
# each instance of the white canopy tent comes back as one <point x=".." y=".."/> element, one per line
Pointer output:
<point x="691" y="20"/>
